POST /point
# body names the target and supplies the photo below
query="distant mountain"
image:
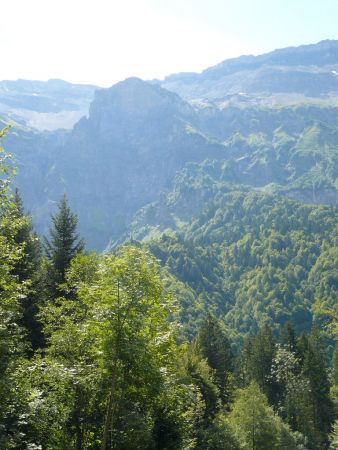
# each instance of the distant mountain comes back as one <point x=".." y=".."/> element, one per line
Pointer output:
<point x="44" y="105"/>
<point x="141" y="145"/>
<point x="128" y="150"/>
<point x="299" y="164"/>
<point x="285" y="76"/>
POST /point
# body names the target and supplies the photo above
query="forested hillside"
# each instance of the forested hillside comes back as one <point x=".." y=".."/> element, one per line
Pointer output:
<point x="253" y="258"/>
<point x="169" y="265"/>
<point x="249" y="257"/>
<point x="113" y="351"/>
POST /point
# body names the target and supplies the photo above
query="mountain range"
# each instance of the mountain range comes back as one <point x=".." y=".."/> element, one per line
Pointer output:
<point x="285" y="76"/>
<point x="265" y="123"/>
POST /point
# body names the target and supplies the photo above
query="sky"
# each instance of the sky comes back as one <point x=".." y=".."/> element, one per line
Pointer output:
<point x="104" y="41"/>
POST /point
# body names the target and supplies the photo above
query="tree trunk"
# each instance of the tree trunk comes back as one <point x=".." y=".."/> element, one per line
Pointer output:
<point x="109" y="414"/>
<point x="79" y="438"/>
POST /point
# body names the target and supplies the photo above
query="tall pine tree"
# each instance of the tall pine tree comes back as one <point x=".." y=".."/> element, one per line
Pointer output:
<point x="27" y="270"/>
<point x="214" y="345"/>
<point x="288" y="336"/>
<point x="335" y="365"/>
<point x="314" y="369"/>
<point x="258" y="354"/>
<point x="63" y="245"/>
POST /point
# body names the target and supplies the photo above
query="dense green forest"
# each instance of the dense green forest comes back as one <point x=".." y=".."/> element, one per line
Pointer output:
<point x="220" y="336"/>
<point x="254" y="258"/>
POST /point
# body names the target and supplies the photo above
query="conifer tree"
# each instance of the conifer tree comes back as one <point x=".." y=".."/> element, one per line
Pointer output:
<point x="214" y="345"/>
<point x="335" y="365"/>
<point x="200" y="375"/>
<point x="302" y="346"/>
<point x="289" y="337"/>
<point x="258" y="355"/>
<point x="28" y="264"/>
<point x="314" y="369"/>
<point x="294" y="404"/>
<point x="63" y="245"/>
<point x="27" y="269"/>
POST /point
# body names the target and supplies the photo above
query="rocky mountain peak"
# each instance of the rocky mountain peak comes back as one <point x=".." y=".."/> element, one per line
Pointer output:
<point x="135" y="98"/>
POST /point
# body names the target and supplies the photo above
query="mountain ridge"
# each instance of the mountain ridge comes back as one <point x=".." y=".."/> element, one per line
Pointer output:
<point x="311" y="76"/>
<point x="138" y="137"/>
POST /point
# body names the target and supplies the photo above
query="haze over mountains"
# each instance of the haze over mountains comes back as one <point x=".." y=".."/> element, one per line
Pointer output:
<point x="284" y="76"/>
<point x="268" y="123"/>
<point x="44" y="105"/>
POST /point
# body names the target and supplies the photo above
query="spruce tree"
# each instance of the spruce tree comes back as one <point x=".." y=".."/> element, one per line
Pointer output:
<point x="314" y="369"/>
<point x="302" y="346"/>
<point x="201" y="376"/>
<point x="288" y="337"/>
<point x="258" y="354"/>
<point x="27" y="270"/>
<point x="335" y="366"/>
<point x="214" y="345"/>
<point x="28" y="264"/>
<point x="63" y="245"/>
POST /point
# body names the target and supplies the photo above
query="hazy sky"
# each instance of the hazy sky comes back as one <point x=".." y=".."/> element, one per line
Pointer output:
<point x="104" y="41"/>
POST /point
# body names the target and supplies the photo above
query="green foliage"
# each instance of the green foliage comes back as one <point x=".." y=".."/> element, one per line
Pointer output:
<point x="335" y="365"/>
<point x="63" y="245"/>
<point x="314" y="369"/>
<point x="219" y="436"/>
<point x="253" y="258"/>
<point x="114" y="372"/>
<point x="258" y="354"/>
<point x="293" y="402"/>
<point x="28" y="270"/>
<point x="288" y="337"/>
<point x="255" y="425"/>
<point x="201" y="375"/>
<point x="27" y="266"/>
<point x="214" y="345"/>
<point x="12" y="291"/>
<point x="334" y="437"/>
<point x="112" y="345"/>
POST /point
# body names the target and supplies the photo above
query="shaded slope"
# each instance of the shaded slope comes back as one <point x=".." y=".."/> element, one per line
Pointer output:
<point x="121" y="157"/>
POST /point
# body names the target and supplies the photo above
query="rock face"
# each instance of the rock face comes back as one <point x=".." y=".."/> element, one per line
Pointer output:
<point x="126" y="153"/>
<point x="141" y="143"/>
<point x="128" y="150"/>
